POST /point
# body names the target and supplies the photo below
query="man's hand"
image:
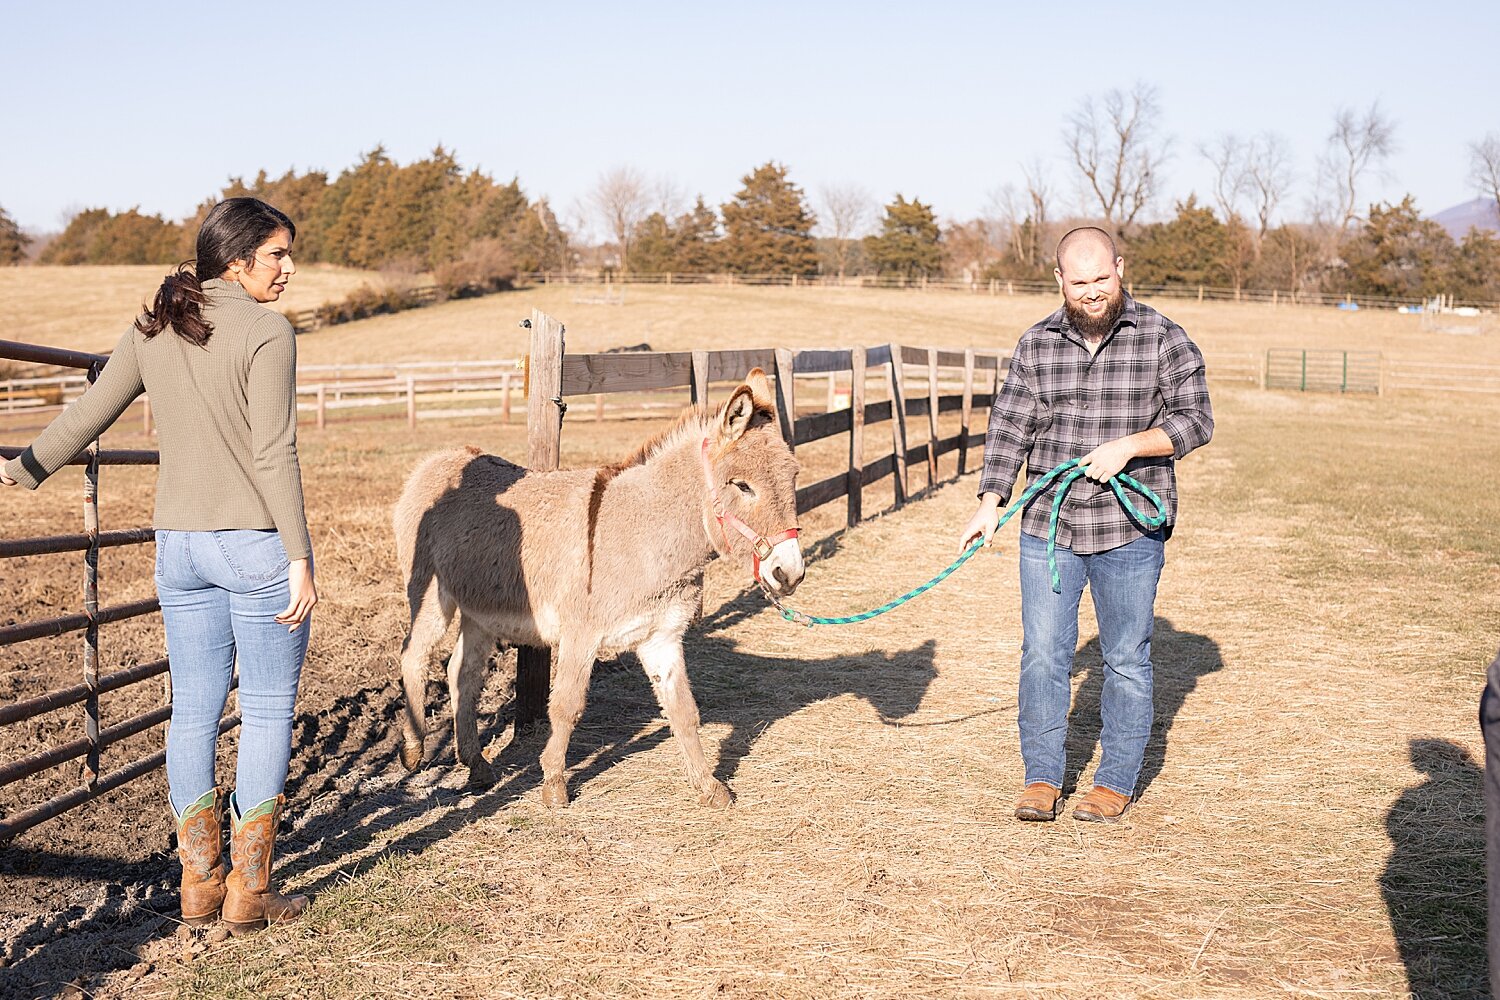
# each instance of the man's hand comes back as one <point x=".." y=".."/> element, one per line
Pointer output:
<point x="1108" y="459"/>
<point x="983" y="524"/>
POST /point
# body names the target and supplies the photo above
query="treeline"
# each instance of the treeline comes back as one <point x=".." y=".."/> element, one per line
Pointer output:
<point x="474" y="233"/>
<point x="428" y="216"/>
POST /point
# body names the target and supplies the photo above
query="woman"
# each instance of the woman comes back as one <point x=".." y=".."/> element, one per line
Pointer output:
<point x="233" y="559"/>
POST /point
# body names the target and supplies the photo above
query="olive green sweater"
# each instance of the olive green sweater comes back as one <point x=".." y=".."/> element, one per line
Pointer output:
<point x="226" y="417"/>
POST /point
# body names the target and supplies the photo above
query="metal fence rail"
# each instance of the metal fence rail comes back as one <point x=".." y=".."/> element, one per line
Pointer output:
<point x="97" y="736"/>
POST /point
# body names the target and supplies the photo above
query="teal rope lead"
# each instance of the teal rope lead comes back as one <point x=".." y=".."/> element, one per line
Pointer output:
<point x="1067" y="473"/>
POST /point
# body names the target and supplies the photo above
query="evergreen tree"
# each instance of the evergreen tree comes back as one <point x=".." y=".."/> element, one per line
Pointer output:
<point x="1191" y="249"/>
<point x="653" y="246"/>
<point x="1476" y="270"/>
<point x="768" y="226"/>
<point x="1399" y="254"/>
<point x="98" y="236"/>
<point x="12" y="240"/>
<point x="697" y="240"/>
<point x="909" y="243"/>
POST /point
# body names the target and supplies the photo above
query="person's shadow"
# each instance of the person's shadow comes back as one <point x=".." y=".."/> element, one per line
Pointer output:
<point x="1434" y="883"/>
<point x="1178" y="659"/>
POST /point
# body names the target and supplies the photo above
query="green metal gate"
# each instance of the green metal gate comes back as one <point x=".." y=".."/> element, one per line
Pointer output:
<point x="1323" y="371"/>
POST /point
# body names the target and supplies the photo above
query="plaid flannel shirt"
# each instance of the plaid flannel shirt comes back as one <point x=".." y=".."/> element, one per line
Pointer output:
<point x="1058" y="403"/>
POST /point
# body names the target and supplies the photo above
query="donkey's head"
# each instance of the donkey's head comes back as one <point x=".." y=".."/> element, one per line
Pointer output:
<point x="752" y="486"/>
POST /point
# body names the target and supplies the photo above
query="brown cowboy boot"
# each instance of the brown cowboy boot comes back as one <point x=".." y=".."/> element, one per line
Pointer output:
<point x="1102" y="805"/>
<point x="1038" y="803"/>
<point x="250" y="903"/>
<point x="200" y="848"/>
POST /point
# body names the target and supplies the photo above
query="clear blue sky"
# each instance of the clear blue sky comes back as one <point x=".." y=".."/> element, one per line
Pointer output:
<point x="156" y="104"/>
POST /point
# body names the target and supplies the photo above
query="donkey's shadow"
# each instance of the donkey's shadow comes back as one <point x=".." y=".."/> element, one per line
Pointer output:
<point x="747" y="691"/>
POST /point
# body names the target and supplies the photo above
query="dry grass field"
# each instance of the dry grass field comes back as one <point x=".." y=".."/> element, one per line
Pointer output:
<point x="87" y="308"/>
<point x="1310" y="818"/>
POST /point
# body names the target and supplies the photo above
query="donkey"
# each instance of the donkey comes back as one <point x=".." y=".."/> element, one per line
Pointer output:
<point x="591" y="562"/>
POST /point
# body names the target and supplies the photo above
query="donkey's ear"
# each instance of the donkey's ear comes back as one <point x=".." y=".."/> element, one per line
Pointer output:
<point x="760" y="390"/>
<point x="737" y="414"/>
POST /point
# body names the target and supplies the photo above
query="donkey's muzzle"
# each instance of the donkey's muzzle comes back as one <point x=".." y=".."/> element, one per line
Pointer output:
<point x="782" y="570"/>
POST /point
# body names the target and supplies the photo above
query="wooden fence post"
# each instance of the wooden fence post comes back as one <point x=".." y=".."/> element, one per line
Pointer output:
<point x="856" y="435"/>
<point x="932" y="417"/>
<point x="786" y="396"/>
<point x="322" y="406"/>
<point x="896" y="384"/>
<point x="505" y="398"/>
<point x="146" y="415"/>
<point x="699" y="390"/>
<point x="544" y="414"/>
<point x="411" y="401"/>
<point x="968" y="410"/>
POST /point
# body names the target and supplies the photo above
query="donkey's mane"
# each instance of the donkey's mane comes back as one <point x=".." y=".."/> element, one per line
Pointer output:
<point x="692" y="419"/>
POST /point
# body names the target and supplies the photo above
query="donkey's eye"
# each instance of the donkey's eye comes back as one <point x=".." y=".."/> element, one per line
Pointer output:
<point x="744" y="487"/>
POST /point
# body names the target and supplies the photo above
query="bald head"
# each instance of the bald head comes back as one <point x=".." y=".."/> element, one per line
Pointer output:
<point x="1089" y="238"/>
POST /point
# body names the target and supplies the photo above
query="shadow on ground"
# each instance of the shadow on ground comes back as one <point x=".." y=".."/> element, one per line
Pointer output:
<point x="1178" y="660"/>
<point x="1434" y="884"/>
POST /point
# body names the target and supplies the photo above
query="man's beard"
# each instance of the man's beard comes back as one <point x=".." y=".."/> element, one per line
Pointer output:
<point x="1095" y="327"/>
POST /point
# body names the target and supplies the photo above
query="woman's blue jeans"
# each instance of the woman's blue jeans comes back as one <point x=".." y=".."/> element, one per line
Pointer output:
<point x="220" y="593"/>
<point x="1123" y="583"/>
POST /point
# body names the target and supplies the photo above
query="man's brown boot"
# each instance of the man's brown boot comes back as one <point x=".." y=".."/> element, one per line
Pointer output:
<point x="200" y="848"/>
<point x="1102" y="805"/>
<point x="1038" y="803"/>
<point x="250" y="903"/>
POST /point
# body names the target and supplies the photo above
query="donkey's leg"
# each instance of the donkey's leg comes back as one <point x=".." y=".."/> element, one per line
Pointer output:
<point x="465" y="683"/>
<point x="570" y="687"/>
<point x="431" y="611"/>
<point x="661" y="655"/>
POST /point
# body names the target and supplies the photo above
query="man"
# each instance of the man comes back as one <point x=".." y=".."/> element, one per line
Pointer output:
<point x="1115" y="382"/>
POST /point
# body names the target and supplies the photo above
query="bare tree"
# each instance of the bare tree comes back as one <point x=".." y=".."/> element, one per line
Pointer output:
<point x="846" y="213"/>
<point x="1118" y="152"/>
<point x="1268" y="176"/>
<point x="621" y="198"/>
<point x="1357" y="144"/>
<point x="1484" y="168"/>
<point x="1227" y="154"/>
<point x="1038" y="197"/>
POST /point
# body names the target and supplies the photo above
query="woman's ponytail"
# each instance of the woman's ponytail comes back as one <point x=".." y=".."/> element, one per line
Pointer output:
<point x="179" y="305"/>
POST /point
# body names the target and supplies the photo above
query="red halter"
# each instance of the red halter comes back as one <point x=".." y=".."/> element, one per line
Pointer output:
<point x="760" y="545"/>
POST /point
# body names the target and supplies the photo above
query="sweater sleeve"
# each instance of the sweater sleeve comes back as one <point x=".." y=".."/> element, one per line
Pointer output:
<point x="100" y="405"/>
<point x="272" y="390"/>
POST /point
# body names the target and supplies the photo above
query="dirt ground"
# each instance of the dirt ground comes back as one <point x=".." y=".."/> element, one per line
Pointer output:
<point x="1309" y="820"/>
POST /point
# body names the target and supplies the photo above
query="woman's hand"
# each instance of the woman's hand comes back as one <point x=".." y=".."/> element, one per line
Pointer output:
<point x="6" y="480"/>
<point x="304" y="594"/>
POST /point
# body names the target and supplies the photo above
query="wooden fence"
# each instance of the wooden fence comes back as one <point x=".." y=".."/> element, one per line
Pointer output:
<point x="1003" y="286"/>
<point x="554" y="377"/>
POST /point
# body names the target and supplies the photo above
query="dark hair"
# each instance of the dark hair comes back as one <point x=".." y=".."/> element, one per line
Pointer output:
<point x="1093" y="233"/>
<point x="234" y="229"/>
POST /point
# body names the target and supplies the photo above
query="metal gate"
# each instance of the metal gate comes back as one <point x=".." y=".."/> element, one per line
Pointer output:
<point x="97" y="736"/>
<point x="1323" y="371"/>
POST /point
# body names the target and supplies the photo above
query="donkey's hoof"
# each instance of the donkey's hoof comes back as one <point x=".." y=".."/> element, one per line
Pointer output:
<point x="554" y="793"/>
<point x="715" y="796"/>
<point x="411" y="755"/>
<point x="481" y="775"/>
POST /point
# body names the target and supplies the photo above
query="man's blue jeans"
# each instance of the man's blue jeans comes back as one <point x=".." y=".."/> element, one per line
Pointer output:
<point x="1123" y="583"/>
<point x="220" y="593"/>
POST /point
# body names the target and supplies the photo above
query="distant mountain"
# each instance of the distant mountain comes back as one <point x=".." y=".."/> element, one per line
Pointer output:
<point x="1481" y="212"/>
